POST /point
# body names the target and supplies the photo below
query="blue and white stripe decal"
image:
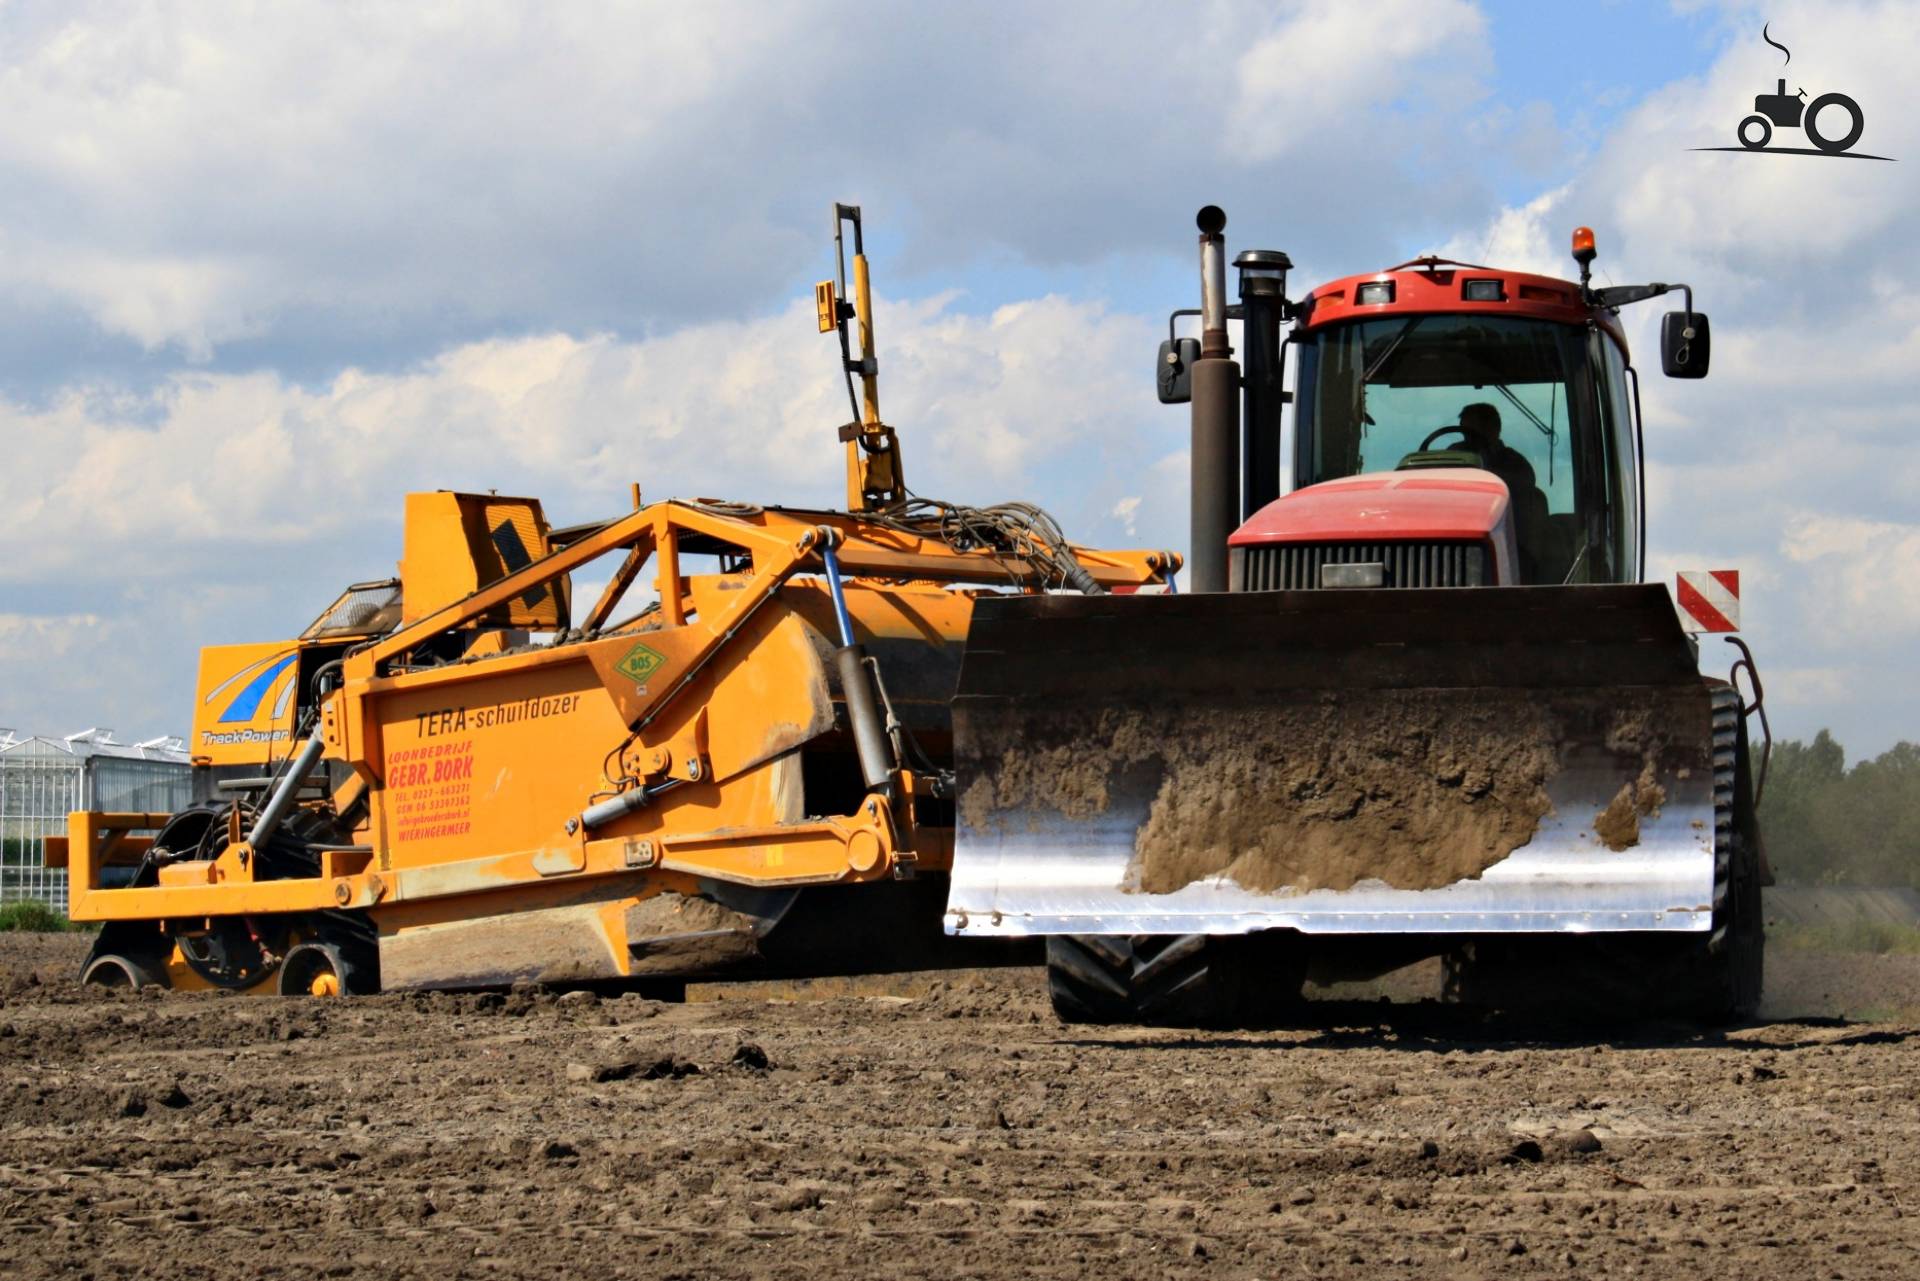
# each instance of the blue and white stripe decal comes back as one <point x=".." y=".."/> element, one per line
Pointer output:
<point x="246" y="704"/>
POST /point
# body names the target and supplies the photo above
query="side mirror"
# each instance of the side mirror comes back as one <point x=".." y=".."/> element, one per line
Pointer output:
<point x="1686" y="343"/>
<point x="1174" y="374"/>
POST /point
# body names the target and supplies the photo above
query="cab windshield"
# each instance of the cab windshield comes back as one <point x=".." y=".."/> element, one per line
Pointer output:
<point x="1506" y="395"/>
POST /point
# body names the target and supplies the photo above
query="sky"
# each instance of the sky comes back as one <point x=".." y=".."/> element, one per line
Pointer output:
<point x="266" y="267"/>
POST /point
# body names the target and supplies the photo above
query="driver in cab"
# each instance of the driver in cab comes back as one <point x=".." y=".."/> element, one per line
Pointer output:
<point x="1480" y="424"/>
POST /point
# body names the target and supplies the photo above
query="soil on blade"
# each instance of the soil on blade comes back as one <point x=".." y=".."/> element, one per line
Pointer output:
<point x="1414" y="790"/>
<point x="1618" y="825"/>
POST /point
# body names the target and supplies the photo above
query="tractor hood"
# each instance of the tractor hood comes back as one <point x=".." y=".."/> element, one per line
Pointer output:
<point x="1440" y="504"/>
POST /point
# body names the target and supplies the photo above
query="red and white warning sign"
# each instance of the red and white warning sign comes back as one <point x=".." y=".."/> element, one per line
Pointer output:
<point x="1709" y="600"/>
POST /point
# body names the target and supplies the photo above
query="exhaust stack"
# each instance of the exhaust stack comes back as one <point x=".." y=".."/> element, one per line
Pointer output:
<point x="1215" y="484"/>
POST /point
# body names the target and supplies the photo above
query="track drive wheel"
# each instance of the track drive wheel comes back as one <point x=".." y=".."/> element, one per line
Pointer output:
<point x="1178" y="980"/>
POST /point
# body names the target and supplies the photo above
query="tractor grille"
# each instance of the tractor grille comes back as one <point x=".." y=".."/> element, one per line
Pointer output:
<point x="1296" y="566"/>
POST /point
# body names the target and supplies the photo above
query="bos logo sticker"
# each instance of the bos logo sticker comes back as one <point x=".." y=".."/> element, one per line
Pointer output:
<point x="640" y="662"/>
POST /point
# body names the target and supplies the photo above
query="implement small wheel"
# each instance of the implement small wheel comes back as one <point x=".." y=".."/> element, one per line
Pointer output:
<point x="325" y="969"/>
<point x="126" y="973"/>
<point x="126" y="955"/>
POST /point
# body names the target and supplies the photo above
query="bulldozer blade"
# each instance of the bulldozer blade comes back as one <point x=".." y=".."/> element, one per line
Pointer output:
<point x="1409" y="761"/>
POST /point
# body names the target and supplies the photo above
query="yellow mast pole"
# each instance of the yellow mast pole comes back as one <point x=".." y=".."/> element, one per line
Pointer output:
<point x="875" y="478"/>
<point x="869" y="366"/>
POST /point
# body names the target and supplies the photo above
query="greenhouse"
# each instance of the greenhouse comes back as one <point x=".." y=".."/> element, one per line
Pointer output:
<point x="42" y="780"/>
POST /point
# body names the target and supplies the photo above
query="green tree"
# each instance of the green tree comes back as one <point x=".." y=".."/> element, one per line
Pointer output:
<point x="1825" y="824"/>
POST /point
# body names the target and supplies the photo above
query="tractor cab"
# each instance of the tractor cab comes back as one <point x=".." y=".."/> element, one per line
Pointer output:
<point x="1454" y="425"/>
<point x="1467" y="383"/>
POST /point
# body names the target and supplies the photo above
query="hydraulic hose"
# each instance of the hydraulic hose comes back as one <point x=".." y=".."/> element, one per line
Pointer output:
<point x="856" y="685"/>
<point x="289" y="786"/>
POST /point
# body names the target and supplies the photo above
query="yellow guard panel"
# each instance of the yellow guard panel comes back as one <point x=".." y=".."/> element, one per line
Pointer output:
<point x="244" y="707"/>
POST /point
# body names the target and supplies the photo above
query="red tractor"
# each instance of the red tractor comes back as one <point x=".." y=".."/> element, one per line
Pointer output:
<point x="1415" y="700"/>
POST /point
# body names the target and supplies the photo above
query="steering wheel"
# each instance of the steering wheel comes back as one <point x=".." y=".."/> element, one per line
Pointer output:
<point x="1468" y="440"/>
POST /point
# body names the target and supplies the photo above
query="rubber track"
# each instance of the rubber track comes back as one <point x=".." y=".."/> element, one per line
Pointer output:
<point x="1178" y="980"/>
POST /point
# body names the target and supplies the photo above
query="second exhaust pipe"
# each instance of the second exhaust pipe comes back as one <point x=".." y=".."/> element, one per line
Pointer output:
<point x="1215" y="450"/>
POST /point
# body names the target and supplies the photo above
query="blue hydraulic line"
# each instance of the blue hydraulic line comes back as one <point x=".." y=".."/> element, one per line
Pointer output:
<point x="838" y="593"/>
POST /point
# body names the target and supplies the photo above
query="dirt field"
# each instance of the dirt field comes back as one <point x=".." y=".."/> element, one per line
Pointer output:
<point x="951" y="1129"/>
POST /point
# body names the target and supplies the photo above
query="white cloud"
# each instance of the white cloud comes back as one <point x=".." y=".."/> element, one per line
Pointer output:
<point x="60" y="672"/>
<point x="192" y="177"/>
<point x="1793" y="461"/>
<point x="746" y="409"/>
<point x="30" y="637"/>
<point x="187" y="174"/>
<point x="1518" y="238"/>
<point x="1815" y="689"/>
<point x="1328" y="62"/>
<point x="1863" y="576"/>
